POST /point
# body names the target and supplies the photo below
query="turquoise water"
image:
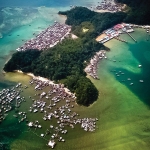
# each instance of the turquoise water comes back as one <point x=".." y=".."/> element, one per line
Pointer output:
<point x="123" y="110"/>
<point x="135" y="54"/>
<point x="48" y="3"/>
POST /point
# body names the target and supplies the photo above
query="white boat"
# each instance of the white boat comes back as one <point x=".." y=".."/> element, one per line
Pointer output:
<point x="51" y="143"/>
<point x="35" y="110"/>
<point x="139" y="66"/>
<point x="30" y="124"/>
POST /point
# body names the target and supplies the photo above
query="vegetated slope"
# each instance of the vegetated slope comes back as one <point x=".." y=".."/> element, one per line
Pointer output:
<point x="22" y="61"/>
<point x="139" y="12"/>
<point x="100" y="21"/>
<point x="63" y="61"/>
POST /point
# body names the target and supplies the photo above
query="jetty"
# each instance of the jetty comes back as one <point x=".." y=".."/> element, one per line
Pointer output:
<point x="131" y="36"/>
<point x="115" y="32"/>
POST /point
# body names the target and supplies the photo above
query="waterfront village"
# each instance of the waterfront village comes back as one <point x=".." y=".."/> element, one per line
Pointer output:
<point x="105" y="6"/>
<point x="109" y="5"/>
<point x="56" y="33"/>
<point x="54" y="101"/>
<point x="107" y="35"/>
<point x="118" y="29"/>
<point x="47" y="38"/>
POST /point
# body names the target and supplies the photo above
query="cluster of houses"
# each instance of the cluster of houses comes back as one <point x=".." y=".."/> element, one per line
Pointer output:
<point x="47" y="38"/>
<point x="121" y="29"/>
<point x="91" y="69"/>
<point x="109" y="5"/>
<point x="116" y="31"/>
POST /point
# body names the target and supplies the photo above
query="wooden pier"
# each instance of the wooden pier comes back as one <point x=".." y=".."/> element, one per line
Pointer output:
<point x="119" y="39"/>
<point x="131" y="36"/>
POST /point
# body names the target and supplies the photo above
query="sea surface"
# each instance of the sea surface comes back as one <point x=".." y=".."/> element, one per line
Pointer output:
<point x="123" y="110"/>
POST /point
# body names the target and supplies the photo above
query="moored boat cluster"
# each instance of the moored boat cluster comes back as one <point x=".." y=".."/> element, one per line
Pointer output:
<point x="64" y="115"/>
<point x="124" y="78"/>
<point x="10" y="99"/>
<point x="52" y="102"/>
<point x="109" y="5"/>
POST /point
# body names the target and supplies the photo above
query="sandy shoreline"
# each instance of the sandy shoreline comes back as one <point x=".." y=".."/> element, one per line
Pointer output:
<point x="102" y="11"/>
<point x="63" y="16"/>
<point x="44" y="80"/>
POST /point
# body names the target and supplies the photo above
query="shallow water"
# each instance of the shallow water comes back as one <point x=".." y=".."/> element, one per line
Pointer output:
<point x="51" y="3"/>
<point x="123" y="110"/>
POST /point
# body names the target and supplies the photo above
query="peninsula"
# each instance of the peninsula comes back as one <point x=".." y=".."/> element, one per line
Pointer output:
<point x="65" y="62"/>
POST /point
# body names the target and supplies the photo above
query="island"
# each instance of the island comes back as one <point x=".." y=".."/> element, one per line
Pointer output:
<point x="65" y="58"/>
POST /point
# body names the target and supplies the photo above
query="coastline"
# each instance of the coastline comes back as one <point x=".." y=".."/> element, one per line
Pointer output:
<point x="44" y="80"/>
<point x="63" y="16"/>
<point x="106" y="122"/>
<point x="91" y="68"/>
<point x="102" y="11"/>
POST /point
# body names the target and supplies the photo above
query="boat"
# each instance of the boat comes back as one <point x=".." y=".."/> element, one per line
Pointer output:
<point x="51" y="143"/>
<point x="139" y="66"/>
<point x="39" y="126"/>
<point x="35" y="110"/>
<point x="30" y="124"/>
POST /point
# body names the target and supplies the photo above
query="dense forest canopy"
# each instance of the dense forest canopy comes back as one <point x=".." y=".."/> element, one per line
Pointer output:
<point x="99" y="21"/>
<point x="22" y="60"/>
<point x="64" y="61"/>
<point x="139" y="12"/>
<point x="78" y="15"/>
